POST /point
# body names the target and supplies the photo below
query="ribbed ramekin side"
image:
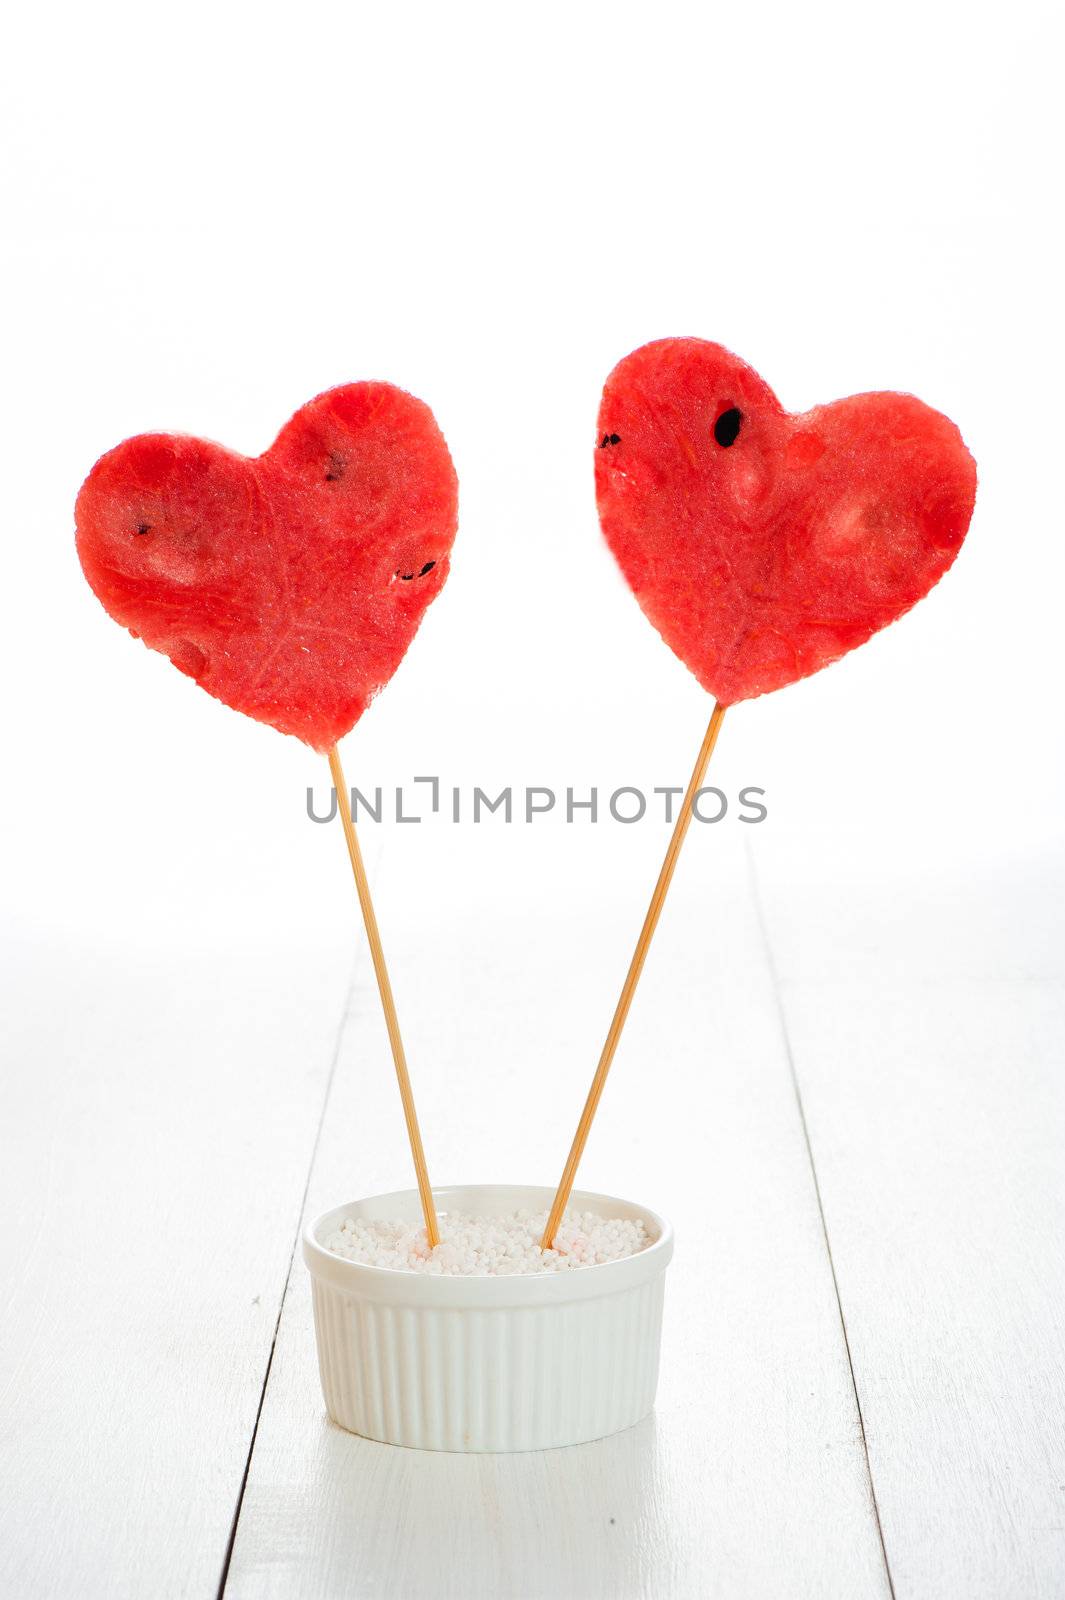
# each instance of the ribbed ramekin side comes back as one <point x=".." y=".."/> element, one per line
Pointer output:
<point x="477" y="1379"/>
<point x="340" y="1375"/>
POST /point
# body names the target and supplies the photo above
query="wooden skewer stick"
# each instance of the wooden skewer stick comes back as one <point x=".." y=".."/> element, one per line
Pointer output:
<point x="650" y="923"/>
<point x="391" y="1020"/>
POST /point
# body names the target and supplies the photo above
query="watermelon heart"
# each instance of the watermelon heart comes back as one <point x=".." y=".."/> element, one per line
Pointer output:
<point x="762" y="545"/>
<point x="289" y="585"/>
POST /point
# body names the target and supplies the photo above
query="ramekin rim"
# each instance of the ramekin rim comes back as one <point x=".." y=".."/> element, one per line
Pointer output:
<point x="370" y="1273"/>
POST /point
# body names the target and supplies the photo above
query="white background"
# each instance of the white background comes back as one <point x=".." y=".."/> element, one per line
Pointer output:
<point x="212" y="212"/>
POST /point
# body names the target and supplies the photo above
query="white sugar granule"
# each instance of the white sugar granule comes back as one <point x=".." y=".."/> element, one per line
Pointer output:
<point x="477" y="1247"/>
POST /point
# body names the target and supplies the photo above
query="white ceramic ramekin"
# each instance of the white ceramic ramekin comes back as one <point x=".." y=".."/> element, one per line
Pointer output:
<point x="507" y="1363"/>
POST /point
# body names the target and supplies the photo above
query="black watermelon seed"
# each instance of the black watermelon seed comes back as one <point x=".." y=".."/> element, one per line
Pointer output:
<point x="727" y="427"/>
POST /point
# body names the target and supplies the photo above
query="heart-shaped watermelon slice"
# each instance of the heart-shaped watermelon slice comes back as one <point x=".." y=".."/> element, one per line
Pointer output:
<point x="289" y="585"/>
<point x="762" y="545"/>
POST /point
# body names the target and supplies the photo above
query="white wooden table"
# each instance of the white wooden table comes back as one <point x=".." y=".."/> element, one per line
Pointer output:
<point x="847" y="1092"/>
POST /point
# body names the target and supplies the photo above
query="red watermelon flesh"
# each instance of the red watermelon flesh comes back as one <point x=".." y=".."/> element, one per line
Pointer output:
<point x="762" y="545"/>
<point x="288" y="585"/>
